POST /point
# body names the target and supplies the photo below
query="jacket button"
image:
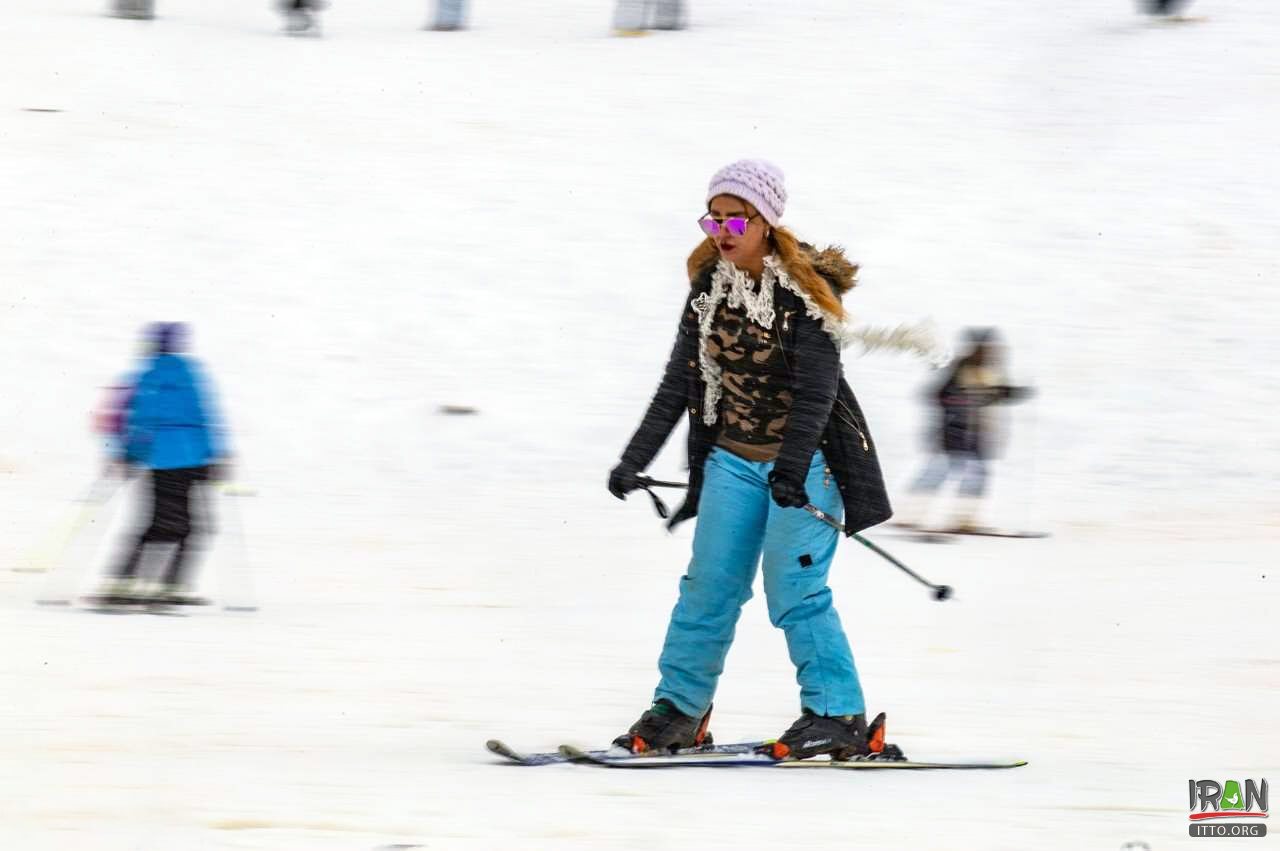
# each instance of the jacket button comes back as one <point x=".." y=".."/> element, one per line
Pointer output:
<point x="693" y="410"/>
<point x="692" y="364"/>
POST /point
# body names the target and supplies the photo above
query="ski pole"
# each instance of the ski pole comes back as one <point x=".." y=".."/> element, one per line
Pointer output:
<point x="646" y="482"/>
<point x="63" y="558"/>
<point x="236" y="574"/>
<point x="940" y="592"/>
<point x="659" y="506"/>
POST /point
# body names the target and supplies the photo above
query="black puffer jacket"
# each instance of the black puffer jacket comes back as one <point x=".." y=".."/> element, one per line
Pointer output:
<point x="824" y="413"/>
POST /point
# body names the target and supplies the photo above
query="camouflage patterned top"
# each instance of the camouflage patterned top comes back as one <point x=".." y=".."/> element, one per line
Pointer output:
<point x="756" y="387"/>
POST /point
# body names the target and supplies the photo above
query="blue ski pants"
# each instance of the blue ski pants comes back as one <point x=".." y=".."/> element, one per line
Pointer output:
<point x="738" y="522"/>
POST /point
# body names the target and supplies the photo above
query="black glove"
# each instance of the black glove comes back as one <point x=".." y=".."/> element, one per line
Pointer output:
<point x="1017" y="394"/>
<point x="623" y="479"/>
<point x="788" y="491"/>
<point x="218" y="471"/>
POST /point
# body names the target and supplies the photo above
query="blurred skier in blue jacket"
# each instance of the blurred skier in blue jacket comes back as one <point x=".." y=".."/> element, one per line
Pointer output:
<point x="171" y="429"/>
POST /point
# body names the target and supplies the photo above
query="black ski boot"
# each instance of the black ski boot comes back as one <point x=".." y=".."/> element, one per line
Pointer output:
<point x="841" y="736"/>
<point x="664" y="728"/>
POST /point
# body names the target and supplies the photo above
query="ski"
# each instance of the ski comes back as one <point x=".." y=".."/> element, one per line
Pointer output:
<point x="951" y="536"/>
<point x="925" y="537"/>
<point x="758" y="760"/>
<point x="500" y="748"/>
<point x="114" y="601"/>
<point x="906" y="764"/>
<point x="1174" y="20"/>
<point x="985" y="533"/>
<point x="121" y="604"/>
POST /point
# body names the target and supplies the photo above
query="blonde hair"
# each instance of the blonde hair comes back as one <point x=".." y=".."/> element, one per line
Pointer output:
<point x="795" y="259"/>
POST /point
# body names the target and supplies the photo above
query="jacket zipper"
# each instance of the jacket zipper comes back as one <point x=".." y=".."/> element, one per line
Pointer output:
<point x="853" y="421"/>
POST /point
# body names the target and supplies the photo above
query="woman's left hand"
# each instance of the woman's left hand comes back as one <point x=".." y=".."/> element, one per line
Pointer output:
<point x="788" y="492"/>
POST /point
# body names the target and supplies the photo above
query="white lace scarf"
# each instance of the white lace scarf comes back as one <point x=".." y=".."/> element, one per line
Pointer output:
<point x="730" y="282"/>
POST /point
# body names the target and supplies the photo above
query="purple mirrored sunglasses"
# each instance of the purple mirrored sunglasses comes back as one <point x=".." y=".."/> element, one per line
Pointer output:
<point x="736" y="226"/>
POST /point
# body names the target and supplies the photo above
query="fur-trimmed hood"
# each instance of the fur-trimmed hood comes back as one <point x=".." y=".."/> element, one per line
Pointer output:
<point x="832" y="264"/>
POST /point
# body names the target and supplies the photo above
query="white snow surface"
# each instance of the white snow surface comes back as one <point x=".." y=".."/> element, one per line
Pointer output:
<point x="366" y="226"/>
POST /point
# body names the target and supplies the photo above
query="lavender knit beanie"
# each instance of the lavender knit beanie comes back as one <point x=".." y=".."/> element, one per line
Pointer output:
<point x="757" y="181"/>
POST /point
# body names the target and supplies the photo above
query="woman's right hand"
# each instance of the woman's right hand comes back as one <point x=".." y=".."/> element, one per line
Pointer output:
<point x="623" y="479"/>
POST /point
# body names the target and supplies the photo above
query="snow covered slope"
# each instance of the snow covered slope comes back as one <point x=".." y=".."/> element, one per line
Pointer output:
<point x="370" y="225"/>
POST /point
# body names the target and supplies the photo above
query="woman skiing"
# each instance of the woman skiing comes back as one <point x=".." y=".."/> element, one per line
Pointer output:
<point x="773" y="426"/>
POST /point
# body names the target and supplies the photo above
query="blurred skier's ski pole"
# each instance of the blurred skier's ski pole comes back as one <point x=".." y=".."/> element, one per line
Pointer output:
<point x="54" y="556"/>
<point x="236" y="577"/>
<point x="940" y="592"/>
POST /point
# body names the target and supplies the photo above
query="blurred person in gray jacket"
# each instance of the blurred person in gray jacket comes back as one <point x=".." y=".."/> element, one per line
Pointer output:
<point x="1165" y="8"/>
<point x="967" y="436"/>
<point x="636" y="17"/>
<point x="300" y="16"/>
<point x="451" y="15"/>
<point x="141" y="10"/>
